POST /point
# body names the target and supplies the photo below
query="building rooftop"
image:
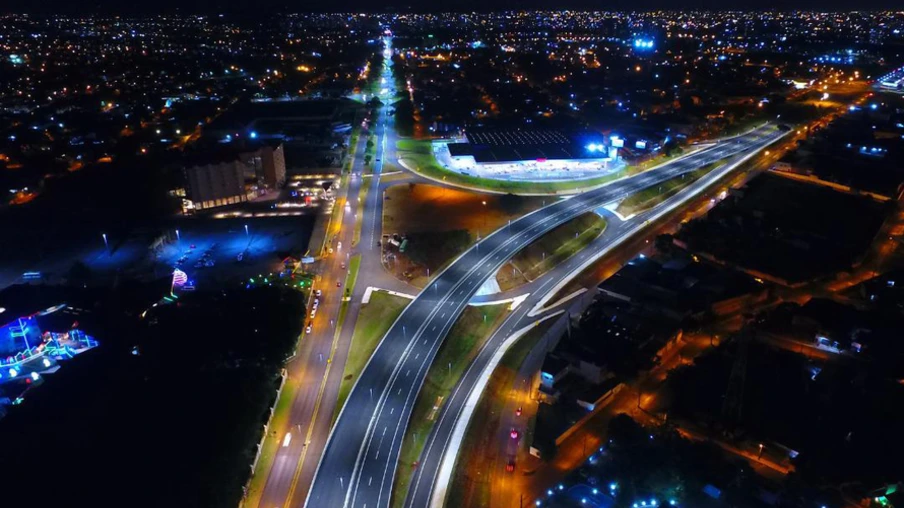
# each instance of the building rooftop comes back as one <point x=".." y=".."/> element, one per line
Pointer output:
<point x="506" y="145"/>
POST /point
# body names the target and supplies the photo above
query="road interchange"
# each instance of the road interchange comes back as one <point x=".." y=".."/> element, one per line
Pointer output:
<point x="358" y="464"/>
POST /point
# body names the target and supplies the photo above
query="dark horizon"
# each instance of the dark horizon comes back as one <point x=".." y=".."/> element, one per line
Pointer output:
<point x="266" y="7"/>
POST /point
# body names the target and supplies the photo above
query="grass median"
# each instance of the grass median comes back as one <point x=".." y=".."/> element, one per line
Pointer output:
<point x="652" y="196"/>
<point x="461" y="346"/>
<point x="374" y="320"/>
<point x="551" y="249"/>
<point x="359" y="213"/>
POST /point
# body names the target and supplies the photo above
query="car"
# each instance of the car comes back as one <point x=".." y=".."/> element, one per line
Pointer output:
<point x="518" y="411"/>
<point x="316" y="301"/>
<point x="318" y="293"/>
<point x="514" y="433"/>
<point x="308" y="329"/>
<point x="313" y="313"/>
<point x="339" y="246"/>
<point x="338" y="283"/>
<point x="342" y="265"/>
<point x="510" y="466"/>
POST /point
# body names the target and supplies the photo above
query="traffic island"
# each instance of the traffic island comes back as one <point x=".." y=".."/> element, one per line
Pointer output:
<point x="550" y="250"/>
<point x="426" y="226"/>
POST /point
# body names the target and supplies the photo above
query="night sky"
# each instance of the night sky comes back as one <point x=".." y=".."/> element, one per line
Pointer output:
<point x="243" y="6"/>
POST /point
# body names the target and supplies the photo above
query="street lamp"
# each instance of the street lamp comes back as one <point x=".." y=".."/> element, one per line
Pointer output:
<point x="106" y="245"/>
<point x="246" y="230"/>
<point x="178" y="237"/>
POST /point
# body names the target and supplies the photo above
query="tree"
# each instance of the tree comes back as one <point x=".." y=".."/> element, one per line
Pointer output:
<point x="404" y="117"/>
<point x="624" y="431"/>
<point x="79" y="273"/>
<point x="664" y="243"/>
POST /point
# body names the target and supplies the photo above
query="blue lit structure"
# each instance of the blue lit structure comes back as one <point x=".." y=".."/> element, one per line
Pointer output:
<point x="23" y="341"/>
<point x="893" y="81"/>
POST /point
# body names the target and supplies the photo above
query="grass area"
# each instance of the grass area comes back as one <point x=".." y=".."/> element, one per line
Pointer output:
<point x="459" y="349"/>
<point x="280" y="420"/>
<point x="442" y="222"/>
<point x="418" y="154"/>
<point x="359" y="214"/>
<point x="374" y="320"/>
<point x="477" y="451"/>
<point x="744" y="125"/>
<point x="652" y="196"/>
<point x="352" y="149"/>
<point x="353" y="266"/>
<point x="551" y="249"/>
<point x="370" y="153"/>
<point x="417" y="207"/>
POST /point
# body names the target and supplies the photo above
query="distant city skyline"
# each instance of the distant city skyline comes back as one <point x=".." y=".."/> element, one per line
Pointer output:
<point x="226" y="6"/>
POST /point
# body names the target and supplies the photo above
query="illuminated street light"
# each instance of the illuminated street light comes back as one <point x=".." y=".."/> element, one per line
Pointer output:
<point x="106" y="245"/>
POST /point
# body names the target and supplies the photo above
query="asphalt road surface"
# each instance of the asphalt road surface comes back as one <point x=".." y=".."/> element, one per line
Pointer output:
<point x="422" y="491"/>
<point x="357" y="467"/>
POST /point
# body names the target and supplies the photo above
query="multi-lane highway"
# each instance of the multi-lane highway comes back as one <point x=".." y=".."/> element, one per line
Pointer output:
<point x="428" y="487"/>
<point x="358" y="465"/>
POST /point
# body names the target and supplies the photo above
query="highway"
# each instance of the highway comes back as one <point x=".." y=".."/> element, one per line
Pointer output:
<point x="357" y="467"/>
<point x="426" y="488"/>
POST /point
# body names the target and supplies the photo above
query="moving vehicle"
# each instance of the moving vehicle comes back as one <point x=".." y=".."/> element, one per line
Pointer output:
<point x="308" y="329"/>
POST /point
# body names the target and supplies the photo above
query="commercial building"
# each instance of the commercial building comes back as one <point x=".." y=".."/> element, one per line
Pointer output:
<point x="486" y="146"/>
<point x="232" y="177"/>
<point x="215" y="184"/>
<point x="269" y="165"/>
<point x="530" y="154"/>
<point x="893" y="81"/>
